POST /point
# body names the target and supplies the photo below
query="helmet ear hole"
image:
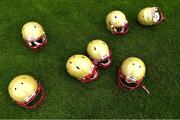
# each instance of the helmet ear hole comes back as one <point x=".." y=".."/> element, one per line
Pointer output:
<point x="94" y="48"/>
<point x="34" y="26"/>
<point x="77" y="67"/>
<point x="15" y="88"/>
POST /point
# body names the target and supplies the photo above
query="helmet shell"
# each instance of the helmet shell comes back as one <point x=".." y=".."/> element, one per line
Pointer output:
<point x="115" y="18"/>
<point x="34" y="36"/>
<point x="79" y="66"/>
<point x="21" y="87"/>
<point x="117" y="23"/>
<point x="32" y="30"/>
<point x="98" y="49"/>
<point x="133" y="68"/>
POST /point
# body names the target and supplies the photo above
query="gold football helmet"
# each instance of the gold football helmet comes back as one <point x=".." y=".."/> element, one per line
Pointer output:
<point x="24" y="89"/>
<point x="34" y="35"/>
<point x="81" y="67"/>
<point x="131" y="74"/>
<point x="99" y="51"/>
<point x="117" y="23"/>
<point x="150" y="16"/>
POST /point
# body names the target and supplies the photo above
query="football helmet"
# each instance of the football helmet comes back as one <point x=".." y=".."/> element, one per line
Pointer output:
<point x="25" y="90"/>
<point x="99" y="53"/>
<point x="34" y="36"/>
<point x="117" y="23"/>
<point x="150" y="16"/>
<point x="81" y="67"/>
<point x="131" y="74"/>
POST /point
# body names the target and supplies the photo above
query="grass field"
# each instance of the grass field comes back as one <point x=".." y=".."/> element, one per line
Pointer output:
<point x="70" y="25"/>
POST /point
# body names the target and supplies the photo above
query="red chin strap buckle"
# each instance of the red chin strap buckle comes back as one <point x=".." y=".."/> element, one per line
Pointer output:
<point x="100" y="63"/>
<point x="126" y="29"/>
<point x="38" y="47"/>
<point x="40" y="91"/>
<point x="91" y="77"/>
<point x="123" y="84"/>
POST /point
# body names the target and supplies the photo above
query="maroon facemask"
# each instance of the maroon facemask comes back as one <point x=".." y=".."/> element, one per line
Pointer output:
<point x="32" y="101"/>
<point x="37" y="44"/>
<point x="104" y="63"/>
<point x="128" y="84"/>
<point x="121" y="30"/>
<point x="161" y="17"/>
<point x="92" y="76"/>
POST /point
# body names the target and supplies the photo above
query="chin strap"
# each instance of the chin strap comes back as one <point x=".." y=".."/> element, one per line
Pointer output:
<point x="161" y="15"/>
<point x="145" y="89"/>
<point x="142" y="86"/>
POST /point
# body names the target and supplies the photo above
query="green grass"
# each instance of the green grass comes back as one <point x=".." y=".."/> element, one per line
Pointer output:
<point x="70" y="25"/>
